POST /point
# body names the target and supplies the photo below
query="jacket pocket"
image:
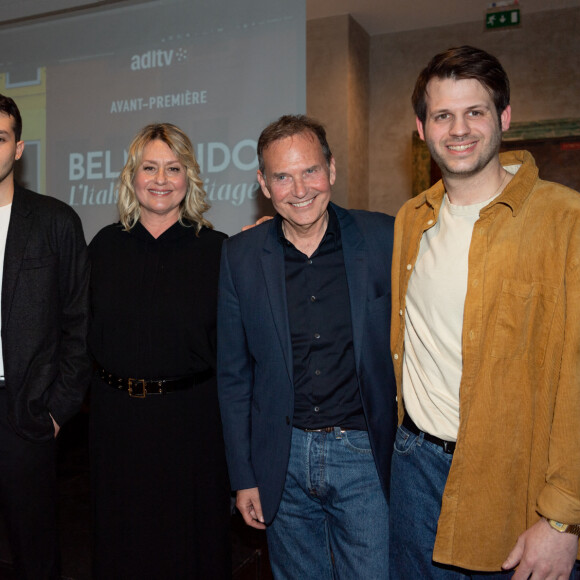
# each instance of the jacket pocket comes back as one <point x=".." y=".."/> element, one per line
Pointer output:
<point x="380" y="304"/>
<point x="39" y="262"/>
<point x="524" y="319"/>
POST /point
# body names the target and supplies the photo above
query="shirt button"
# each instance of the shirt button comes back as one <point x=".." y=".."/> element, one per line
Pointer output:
<point x="430" y="223"/>
<point x="409" y="266"/>
<point x="316" y="409"/>
<point x="400" y="313"/>
<point x="313" y="299"/>
<point x="316" y="335"/>
<point x="317" y="372"/>
<point x="396" y="356"/>
<point x="310" y="261"/>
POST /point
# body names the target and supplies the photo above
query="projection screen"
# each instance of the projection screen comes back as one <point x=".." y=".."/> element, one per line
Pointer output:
<point x="86" y="83"/>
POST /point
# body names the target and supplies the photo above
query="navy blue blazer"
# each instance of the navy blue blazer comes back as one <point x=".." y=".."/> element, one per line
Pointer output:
<point x="255" y="366"/>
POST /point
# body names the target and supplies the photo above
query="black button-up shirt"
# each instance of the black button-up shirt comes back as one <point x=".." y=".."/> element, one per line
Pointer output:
<point x="326" y="389"/>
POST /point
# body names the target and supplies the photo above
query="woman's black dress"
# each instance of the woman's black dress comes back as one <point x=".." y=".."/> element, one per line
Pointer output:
<point x="160" y="490"/>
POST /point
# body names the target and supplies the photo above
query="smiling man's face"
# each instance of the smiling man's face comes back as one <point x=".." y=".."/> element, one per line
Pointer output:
<point x="461" y="129"/>
<point x="298" y="180"/>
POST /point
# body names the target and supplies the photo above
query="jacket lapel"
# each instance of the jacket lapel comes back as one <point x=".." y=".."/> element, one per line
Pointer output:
<point x="275" y="278"/>
<point x="18" y="232"/>
<point x="355" y="263"/>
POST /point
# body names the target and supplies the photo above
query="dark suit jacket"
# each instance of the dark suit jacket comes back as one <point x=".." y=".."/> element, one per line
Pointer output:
<point x="44" y="314"/>
<point x="255" y="352"/>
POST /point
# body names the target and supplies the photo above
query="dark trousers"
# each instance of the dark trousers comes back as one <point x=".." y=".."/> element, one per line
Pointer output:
<point x="28" y="501"/>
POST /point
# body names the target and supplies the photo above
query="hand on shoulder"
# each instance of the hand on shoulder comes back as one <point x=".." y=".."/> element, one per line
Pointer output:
<point x="262" y="220"/>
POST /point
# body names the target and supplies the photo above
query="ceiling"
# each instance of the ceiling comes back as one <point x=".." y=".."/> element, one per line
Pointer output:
<point x="384" y="16"/>
<point x="375" y="16"/>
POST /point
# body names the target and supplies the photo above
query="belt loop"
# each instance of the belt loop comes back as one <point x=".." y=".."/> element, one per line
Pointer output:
<point x="338" y="433"/>
<point x="447" y="446"/>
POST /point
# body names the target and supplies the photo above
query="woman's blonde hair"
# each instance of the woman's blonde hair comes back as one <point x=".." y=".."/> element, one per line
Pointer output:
<point x="194" y="204"/>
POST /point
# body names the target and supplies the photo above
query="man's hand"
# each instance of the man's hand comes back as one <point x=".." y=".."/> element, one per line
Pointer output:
<point x="543" y="553"/>
<point x="56" y="426"/>
<point x="260" y="221"/>
<point x="248" y="502"/>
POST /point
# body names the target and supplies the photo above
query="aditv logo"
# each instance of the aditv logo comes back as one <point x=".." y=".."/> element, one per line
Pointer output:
<point x="158" y="58"/>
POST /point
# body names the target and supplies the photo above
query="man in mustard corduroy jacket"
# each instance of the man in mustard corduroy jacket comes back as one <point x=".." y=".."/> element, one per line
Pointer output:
<point x="485" y="340"/>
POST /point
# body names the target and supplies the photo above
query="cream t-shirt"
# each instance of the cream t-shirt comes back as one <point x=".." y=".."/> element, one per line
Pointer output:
<point x="4" y="221"/>
<point x="432" y="362"/>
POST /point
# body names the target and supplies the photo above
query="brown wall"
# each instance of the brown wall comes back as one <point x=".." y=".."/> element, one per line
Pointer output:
<point x="337" y="94"/>
<point x="541" y="59"/>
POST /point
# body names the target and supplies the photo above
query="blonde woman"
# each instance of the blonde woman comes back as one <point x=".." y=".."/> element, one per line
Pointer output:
<point x="159" y="481"/>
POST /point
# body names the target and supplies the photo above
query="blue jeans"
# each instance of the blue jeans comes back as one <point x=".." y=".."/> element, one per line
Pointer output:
<point x="332" y="522"/>
<point x="418" y="476"/>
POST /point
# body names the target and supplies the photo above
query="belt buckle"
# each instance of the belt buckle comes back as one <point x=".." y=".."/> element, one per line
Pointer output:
<point x="137" y="382"/>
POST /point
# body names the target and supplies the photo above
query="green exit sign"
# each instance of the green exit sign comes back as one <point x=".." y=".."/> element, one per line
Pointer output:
<point x="508" y="17"/>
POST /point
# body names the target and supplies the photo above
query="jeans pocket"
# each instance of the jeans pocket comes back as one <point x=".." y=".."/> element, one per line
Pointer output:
<point x="357" y="441"/>
<point x="405" y="442"/>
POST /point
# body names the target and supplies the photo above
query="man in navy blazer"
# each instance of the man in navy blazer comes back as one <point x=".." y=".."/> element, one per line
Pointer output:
<point x="305" y="380"/>
<point x="44" y="366"/>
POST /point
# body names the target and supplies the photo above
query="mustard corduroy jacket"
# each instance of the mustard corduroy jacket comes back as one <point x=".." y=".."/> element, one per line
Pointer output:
<point x="518" y="446"/>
